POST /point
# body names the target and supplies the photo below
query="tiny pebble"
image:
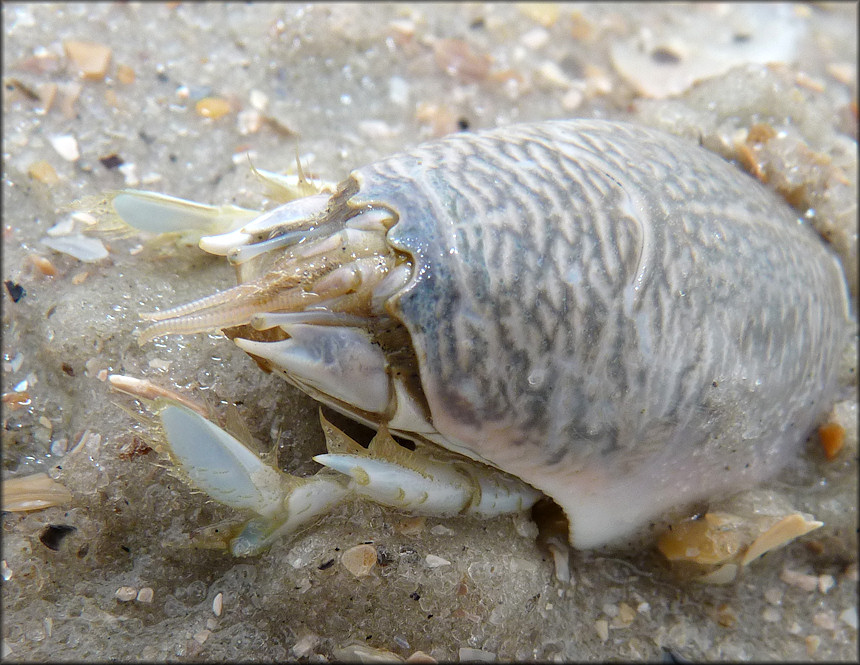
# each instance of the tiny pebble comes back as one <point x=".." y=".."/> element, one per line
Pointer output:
<point x="91" y="58"/>
<point x="398" y="91"/>
<point x="602" y="628"/>
<point x="726" y="616"/>
<point x="305" y="645"/>
<point x="376" y="129"/>
<point x="844" y="72"/>
<point x="812" y="642"/>
<point x="597" y="82"/>
<point x="553" y="74"/>
<point x="826" y="583"/>
<point x="441" y="530"/>
<point x="126" y="593"/>
<point x="421" y="657"/>
<point x="610" y="610"/>
<point x="151" y="178"/>
<point x="111" y="161"/>
<point x="43" y="265"/>
<point x="249" y="121"/>
<point x="218" y="604"/>
<point x="211" y="623"/>
<point x="403" y="27"/>
<point x="434" y="561"/>
<point x="259" y="100"/>
<point x="84" y="218"/>
<point x="848" y="616"/>
<point x="66" y="146"/>
<point x="626" y="613"/>
<point x="476" y="655"/>
<point x="202" y="636"/>
<point x="798" y="579"/>
<point x="16" y="362"/>
<point x="5" y="571"/>
<point x="145" y="595"/>
<point x="825" y="620"/>
<point x="43" y="172"/>
<point x="545" y="13"/>
<point x="212" y="107"/>
<point x="535" y="38"/>
<point x="643" y="608"/>
<point x="561" y="561"/>
<point x="809" y="82"/>
<point x="47" y="95"/>
<point x="831" y="436"/>
<point x="572" y="99"/>
<point x="129" y="172"/>
<point x="411" y="526"/>
<point x="59" y="446"/>
<point x="359" y="560"/>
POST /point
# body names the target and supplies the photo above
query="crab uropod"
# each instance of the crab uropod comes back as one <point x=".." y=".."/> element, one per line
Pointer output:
<point x="604" y="313"/>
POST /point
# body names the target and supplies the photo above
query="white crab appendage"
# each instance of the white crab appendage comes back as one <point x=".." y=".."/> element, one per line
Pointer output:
<point x="605" y="313"/>
<point x="312" y="309"/>
<point x="216" y="462"/>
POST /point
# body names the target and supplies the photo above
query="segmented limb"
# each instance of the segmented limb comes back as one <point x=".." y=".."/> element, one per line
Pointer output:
<point x="217" y="463"/>
<point x="160" y="213"/>
<point x="214" y="461"/>
<point x="421" y="483"/>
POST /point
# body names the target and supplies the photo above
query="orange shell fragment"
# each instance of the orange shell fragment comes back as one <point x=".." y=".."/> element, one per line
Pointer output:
<point x="704" y="541"/>
<point x="832" y="439"/>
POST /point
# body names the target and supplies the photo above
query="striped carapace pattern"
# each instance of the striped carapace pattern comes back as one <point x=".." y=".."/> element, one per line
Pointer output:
<point x="591" y="289"/>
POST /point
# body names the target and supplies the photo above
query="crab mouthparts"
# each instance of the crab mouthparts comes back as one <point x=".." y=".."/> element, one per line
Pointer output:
<point x="299" y="264"/>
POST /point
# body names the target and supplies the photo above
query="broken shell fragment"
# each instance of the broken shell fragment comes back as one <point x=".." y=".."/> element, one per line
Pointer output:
<point x="43" y="172"/>
<point x="33" y="492"/>
<point x="710" y="540"/>
<point x="832" y="439"/>
<point x="92" y="59"/>
<point x="359" y="560"/>
<point x="719" y="544"/>
<point x="212" y="107"/>
<point x="781" y="533"/>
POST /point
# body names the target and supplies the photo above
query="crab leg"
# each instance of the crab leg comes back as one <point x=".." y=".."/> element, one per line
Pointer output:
<point x="217" y="463"/>
<point x="419" y="483"/>
<point x="160" y="213"/>
<point x="227" y="471"/>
